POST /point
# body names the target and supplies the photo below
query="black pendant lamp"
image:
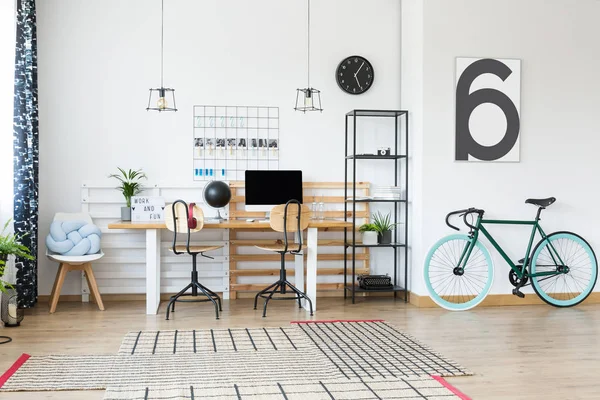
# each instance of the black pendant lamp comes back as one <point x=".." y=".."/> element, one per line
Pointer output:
<point x="309" y="98"/>
<point x="162" y="99"/>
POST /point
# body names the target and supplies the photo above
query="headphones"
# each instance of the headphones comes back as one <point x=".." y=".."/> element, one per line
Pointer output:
<point x="192" y="222"/>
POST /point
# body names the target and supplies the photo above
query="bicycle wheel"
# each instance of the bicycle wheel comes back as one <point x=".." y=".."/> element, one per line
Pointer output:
<point x="451" y="286"/>
<point x="573" y="281"/>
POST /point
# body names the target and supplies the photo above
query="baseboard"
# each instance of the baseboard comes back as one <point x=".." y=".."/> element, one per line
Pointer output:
<point x="492" y="300"/>
<point x="496" y="300"/>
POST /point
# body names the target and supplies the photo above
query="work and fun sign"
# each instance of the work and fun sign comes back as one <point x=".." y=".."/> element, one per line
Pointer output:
<point x="147" y="208"/>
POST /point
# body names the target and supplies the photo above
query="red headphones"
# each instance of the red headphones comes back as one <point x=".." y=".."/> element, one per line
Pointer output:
<point x="192" y="222"/>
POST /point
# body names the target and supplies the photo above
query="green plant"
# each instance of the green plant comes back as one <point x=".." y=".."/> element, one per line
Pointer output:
<point x="382" y="223"/>
<point x="10" y="244"/>
<point x="367" y="228"/>
<point x="130" y="184"/>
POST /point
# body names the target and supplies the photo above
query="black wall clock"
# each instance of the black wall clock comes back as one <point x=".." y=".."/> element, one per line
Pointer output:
<point x="355" y="75"/>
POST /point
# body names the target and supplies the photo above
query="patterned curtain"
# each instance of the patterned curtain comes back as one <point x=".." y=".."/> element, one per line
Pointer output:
<point x="26" y="149"/>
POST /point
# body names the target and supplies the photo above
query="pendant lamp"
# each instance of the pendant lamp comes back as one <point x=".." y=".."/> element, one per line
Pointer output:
<point x="309" y="98"/>
<point x="162" y="99"/>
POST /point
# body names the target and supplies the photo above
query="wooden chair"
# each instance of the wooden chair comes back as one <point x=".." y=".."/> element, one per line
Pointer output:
<point x="74" y="263"/>
<point x="183" y="218"/>
<point x="290" y="217"/>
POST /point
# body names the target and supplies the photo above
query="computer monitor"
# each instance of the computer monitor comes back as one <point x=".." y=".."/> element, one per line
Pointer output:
<point x="265" y="189"/>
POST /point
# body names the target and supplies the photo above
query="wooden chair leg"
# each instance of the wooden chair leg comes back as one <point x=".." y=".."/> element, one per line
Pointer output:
<point x="58" y="283"/>
<point x="91" y="279"/>
<point x="53" y="293"/>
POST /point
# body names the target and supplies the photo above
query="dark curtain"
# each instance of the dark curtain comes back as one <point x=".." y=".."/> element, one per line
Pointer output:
<point x="26" y="147"/>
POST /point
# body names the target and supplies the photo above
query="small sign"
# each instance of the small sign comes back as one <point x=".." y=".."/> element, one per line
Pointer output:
<point x="147" y="208"/>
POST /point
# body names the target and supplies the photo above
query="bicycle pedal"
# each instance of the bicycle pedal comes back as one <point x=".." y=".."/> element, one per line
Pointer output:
<point x="518" y="293"/>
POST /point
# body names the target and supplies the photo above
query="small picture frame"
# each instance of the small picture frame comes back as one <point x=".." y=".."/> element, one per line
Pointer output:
<point x="273" y="144"/>
<point x="242" y="143"/>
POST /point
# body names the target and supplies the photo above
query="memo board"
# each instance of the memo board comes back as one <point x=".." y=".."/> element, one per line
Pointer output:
<point x="228" y="140"/>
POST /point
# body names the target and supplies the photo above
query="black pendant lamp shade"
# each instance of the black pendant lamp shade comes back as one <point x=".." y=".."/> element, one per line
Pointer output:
<point x="162" y="98"/>
<point x="308" y="99"/>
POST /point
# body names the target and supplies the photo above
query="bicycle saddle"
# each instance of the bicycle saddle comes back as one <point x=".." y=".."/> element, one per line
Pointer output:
<point x="541" y="202"/>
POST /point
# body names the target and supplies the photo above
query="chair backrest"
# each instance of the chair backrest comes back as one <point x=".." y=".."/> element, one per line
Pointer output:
<point x="294" y="211"/>
<point x="181" y="210"/>
<point x="80" y="216"/>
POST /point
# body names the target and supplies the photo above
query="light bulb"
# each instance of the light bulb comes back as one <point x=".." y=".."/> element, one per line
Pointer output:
<point x="162" y="103"/>
<point x="308" y="100"/>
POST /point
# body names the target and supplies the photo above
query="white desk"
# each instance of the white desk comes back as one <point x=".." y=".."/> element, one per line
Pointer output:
<point x="153" y="254"/>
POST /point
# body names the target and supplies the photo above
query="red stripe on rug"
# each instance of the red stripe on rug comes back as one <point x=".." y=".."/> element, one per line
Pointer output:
<point x="10" y="372"/>
<point x="451" y="388"/>
<point x="337" y="320"/>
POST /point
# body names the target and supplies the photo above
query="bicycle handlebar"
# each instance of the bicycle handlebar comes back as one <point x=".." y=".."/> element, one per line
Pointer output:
<point x="463" y="213"/>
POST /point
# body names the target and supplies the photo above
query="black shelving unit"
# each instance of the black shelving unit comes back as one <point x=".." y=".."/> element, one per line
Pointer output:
<point x="400" y="162"/>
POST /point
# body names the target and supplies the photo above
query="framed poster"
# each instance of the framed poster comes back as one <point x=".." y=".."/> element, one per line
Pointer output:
<point x="488" y="109"/>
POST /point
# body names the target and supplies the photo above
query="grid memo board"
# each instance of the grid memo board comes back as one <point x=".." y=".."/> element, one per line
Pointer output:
<point x="228" y="140"/>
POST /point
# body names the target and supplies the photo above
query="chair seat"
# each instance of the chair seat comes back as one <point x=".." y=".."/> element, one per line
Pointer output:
<point x="74" y="260"/>
<point x="279" y="247"/>
<point x="196" y="249"/>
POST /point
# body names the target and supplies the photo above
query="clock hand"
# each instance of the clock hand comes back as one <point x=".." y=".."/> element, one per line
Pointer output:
<point x="359" y="68"/>
<point x="357" y="82"/>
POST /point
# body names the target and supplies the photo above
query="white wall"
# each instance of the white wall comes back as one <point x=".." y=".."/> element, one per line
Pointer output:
<point x="97" y="60"/>
<point x="560" y="98"/>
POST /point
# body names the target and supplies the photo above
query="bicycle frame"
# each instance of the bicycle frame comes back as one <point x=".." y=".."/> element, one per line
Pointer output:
<point x="479" y="227"/>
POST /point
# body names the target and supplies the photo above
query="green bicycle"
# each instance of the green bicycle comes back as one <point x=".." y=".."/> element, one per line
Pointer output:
<point x="562" y="267"/>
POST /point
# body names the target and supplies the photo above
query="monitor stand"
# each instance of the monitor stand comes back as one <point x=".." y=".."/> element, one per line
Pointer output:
<point x="266" y="219"/>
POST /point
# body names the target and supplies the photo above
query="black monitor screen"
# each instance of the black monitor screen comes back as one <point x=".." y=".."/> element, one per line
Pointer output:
<point x="273" y="187"/>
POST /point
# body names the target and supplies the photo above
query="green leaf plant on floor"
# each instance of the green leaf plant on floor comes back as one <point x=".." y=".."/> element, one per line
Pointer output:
<point x="10" y="244"/>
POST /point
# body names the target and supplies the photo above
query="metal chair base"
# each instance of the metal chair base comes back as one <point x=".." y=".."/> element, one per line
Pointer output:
<point x="280" y="287"/>
<point x="195" y="286"/>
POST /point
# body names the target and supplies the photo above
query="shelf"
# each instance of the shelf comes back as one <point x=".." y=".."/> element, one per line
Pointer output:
<point x="376" y="201"/>
<point x="358" y="289"/>
<point x="376" y="113"/>
<point x="374" y="157"/>
<point x="376" y="245"/>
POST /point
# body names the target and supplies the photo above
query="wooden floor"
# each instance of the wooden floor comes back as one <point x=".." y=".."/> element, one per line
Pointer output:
<point x="524" y="352"/>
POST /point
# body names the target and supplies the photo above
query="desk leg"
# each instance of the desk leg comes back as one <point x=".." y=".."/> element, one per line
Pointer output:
<point x="152" y="270"/>
<point x="299" y="271"/>
<point x="311" y="266"/>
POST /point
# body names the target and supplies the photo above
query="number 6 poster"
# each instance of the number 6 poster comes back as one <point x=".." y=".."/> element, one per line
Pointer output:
<point x="488" y="109"/>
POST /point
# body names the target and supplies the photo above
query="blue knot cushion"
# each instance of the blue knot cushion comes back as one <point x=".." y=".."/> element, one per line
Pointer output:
<point x="73" y="238"/>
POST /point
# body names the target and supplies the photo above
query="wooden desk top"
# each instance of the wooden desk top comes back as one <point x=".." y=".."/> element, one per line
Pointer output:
<point x="230" y="224"/>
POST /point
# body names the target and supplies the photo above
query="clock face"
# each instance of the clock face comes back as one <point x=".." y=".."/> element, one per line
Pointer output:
<point x="355" y="75"/>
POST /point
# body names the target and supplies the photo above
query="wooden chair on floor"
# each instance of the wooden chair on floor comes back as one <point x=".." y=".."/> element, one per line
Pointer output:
<point x="183" y="218"/>
<point x="74" y="263"/>
<point x="290" y="217"/>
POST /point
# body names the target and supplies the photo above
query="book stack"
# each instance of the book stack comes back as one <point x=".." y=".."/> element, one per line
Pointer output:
<point x="388" y="193"/>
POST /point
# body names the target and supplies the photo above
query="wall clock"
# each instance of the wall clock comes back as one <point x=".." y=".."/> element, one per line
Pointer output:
<point x="355" y="75"/>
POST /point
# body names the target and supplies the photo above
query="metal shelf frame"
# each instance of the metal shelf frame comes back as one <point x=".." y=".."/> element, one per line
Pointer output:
<point x="400" y="161"/>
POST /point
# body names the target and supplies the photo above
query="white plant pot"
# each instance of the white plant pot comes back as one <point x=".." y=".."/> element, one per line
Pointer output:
<point x="369" y="237"/>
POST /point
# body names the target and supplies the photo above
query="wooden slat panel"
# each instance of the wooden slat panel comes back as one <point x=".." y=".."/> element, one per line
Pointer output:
<point x="256" y="287"/>
<point x="277" y="257"/>
<point x="312" y="185"/>
<point x="275" y="272"/>
<point x="262" y="242"/>
<point x="328" y="214"/>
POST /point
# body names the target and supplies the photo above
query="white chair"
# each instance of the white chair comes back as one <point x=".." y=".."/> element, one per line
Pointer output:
<point x="74" y="263"/>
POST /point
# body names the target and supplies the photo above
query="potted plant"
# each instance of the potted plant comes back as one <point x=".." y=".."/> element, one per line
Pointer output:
<point x="10" y="245"/>
<point x="130" y="185"/>
<point x="369" y="233"/>
<point x="383" y="225"/>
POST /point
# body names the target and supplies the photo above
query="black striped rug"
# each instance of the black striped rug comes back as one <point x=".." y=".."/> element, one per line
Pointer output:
<point x="327" y="359"/>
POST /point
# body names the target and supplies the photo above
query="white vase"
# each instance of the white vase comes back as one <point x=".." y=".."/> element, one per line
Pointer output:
<point x="369" y="237"/>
